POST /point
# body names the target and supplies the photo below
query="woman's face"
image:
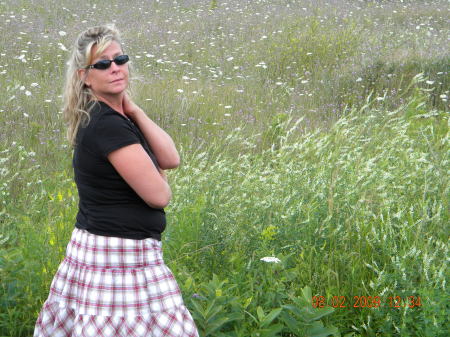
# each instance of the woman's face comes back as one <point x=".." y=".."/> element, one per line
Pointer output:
<point x="107" y="82"/>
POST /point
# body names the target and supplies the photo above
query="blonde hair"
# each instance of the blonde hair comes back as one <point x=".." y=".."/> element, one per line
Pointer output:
<point x="77" y="95"/>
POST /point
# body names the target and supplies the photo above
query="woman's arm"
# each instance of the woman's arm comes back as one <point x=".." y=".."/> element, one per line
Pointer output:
<point x="159" y="141"/>
<point x="138" y="170"/>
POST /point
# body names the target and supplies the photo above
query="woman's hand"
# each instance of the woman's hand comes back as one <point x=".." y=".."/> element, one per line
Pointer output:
<point x="130" y="109"/>
<point x="159" y="141"/>
<point x="163" y="174"/>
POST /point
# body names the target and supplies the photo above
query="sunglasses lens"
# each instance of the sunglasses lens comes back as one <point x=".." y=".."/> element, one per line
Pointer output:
<point x="103" y="64"/>
<point x="121" y="59"/>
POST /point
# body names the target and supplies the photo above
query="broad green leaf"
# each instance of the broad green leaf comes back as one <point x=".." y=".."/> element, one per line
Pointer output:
<point x="291" y="322"/>
<point x="211" y="314"/>
<point x="260" y="313"/>
<point x="210" y="328"/>
<point x="307" y="294"/>
<point x="270" y="317"/>
<point x="318" y="330"/>
<point x="272" y="331"/>
<point x="319" y="313"/>
<point x="293" y="308"/>
<point x="198" y="309"/>
<point x="218" y="322"/>
<point x="247" y="302"/>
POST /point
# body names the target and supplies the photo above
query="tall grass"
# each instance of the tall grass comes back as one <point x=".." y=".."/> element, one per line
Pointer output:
<point x="314" y="132"/>
<point x="359" y="210"/>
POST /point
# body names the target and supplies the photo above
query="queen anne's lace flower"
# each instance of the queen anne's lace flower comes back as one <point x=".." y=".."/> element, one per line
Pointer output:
<point x="271" y="259"/>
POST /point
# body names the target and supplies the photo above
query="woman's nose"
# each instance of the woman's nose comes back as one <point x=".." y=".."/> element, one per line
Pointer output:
<point x="114" y="66"/>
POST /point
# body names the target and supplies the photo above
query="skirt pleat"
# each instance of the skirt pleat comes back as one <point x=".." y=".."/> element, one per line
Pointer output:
<point x="114" y="287"/>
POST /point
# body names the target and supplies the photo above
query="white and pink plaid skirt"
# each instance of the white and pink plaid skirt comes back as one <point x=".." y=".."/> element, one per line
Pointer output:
<point x="113" y="287"/>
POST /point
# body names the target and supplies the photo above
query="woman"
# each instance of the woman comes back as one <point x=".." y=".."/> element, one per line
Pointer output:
<point x="113" y="280"/>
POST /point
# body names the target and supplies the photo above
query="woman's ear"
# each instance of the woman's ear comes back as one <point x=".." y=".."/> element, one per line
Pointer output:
<point x="83" y="76"/>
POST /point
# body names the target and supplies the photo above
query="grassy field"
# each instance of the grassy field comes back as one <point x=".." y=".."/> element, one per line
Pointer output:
<point x="313" y="132"/>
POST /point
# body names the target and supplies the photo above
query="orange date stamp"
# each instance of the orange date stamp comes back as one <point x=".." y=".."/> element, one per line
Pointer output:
<point x="339" y="302"/>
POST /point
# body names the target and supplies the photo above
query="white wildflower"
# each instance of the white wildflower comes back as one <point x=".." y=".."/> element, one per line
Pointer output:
<point x="230" y="58"/>
<point x="271" y="259"/>
<point x="34" y="84"/>
<point x="180" y="90"/>
<point x="22" y="58"/>
<point x="61" y="46"/>
<point x="62" y="33"/>
<point x="28" y="93"/>
<point x="261" y="64"/>
<point x="227" y="106"/>
<point x="359" y="79"/>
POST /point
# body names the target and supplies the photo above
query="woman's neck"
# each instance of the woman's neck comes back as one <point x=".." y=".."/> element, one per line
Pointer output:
<point x="114" y="102"/>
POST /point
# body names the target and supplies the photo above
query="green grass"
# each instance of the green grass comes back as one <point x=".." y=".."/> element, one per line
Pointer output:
<point x="317" y="135"/>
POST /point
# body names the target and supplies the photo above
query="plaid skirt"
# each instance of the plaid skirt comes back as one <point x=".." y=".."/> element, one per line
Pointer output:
<point x="113" y="287"/>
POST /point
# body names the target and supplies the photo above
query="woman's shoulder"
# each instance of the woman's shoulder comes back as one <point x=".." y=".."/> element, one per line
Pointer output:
<point x="101" y="116"/>
<point x="99" y="108"/>
<point x="101" y="113"/>
<point x="106" y="128"/>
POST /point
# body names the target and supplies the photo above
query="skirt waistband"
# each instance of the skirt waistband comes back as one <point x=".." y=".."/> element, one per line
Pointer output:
<point x="103" y="252"/>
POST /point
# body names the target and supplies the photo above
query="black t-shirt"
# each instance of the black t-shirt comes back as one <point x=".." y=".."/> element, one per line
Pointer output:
<point x="108" y="205"/>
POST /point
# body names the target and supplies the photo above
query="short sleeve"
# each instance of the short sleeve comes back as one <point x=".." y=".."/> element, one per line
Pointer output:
<point x="113" y="132"/>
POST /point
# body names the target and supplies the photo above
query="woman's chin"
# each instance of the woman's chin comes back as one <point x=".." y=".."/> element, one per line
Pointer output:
<point x="118" y="89"/>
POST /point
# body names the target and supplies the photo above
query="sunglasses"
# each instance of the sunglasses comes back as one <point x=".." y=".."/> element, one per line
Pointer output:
<point x="105" y="64"/>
